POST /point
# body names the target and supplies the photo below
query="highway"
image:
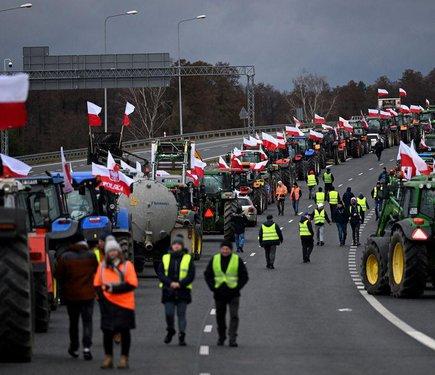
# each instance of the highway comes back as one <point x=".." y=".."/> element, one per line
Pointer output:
<point x="297" y="319"/>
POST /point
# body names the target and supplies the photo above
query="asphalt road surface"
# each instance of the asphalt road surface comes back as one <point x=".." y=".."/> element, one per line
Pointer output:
<point x="297" y="319"/>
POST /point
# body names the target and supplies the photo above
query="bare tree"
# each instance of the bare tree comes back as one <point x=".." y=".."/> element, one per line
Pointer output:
<point x="311" y="93"/>
<point x="151" y="113"/>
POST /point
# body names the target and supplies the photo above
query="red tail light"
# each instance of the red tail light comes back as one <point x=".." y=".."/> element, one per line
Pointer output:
<point x="208" y="214"/>
<point x="7" y="226"/>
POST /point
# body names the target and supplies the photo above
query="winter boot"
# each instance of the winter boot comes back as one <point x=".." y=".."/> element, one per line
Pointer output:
<point x="182" y="339"/>
<point x="123" y="362"/>
<point x="107" y="362"/>
<point x="169" y="335"/>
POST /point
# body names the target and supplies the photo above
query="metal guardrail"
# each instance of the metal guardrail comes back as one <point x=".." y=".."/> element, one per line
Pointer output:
<point x="81" y="153"/>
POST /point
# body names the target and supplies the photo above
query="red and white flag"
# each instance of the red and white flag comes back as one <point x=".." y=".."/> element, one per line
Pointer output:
<point x="319" y="120"/>
<point x="293" y="131"/>
<point x="111" y="163"/>
<point x="269" y="142"/>
<point x="236" y="163"/>
<point x="222" y="163"/>
<point x="427" y="102"/>
<point x="411" y="163"/>
<point x="197" y="166"/>
<point x="249" y="142"/>
<point x="263" y="155"/>
<point x="13" y="96"/>
<point x="237" y="152"/>
<point x="67" y="176"/>
<point x="327" y="127"/>
<point x="415" y="109"/>
<point x="404" y="108"/>
<point x="112" y="180"/>
<point x="257" y="141"/>
<point x="385" y="115"/>
<point x="402" y="92"/>
<point x="344" y="124"/>
<point x="13" y="167"/>
<point x="373" y="113"/>
<point x="297" y="122"/>
<point x="281" y="140"/>
<point x="93" y="114"/>
<point x="392" y="112"/>
<point x="315" y="136"/>
<point x="382" y="92"/>
<point x="258" y="166"/>
<point x="129" y="109"/>
<point x="280" y="135"/>
<point x="193" y="177"/>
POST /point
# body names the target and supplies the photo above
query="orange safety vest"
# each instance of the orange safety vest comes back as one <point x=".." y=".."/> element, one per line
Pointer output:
<point x="281" y="191"/>
<point x="295" y="192"/>
<point x="125" y="273"/>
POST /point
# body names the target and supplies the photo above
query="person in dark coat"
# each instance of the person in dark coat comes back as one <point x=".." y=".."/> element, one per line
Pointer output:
<point x="75" y="272"/>
<point x="347" y="196"/>
<point x="270" y="236"/>
<point x="384" y="177"/>
<point x="239" y="221"/>
<point x="115" y="282"/>
<point x="176" y="274"/>
<point x="225" y="293"/>
<point x="355" y="216"/>
<point x="379" y="147"/>
<point x="341" y="220"/>
<point x="306" y="233"/>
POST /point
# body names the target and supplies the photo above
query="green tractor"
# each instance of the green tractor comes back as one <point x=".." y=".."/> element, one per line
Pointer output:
<point x="400" y="257"/>
<point x="427" y="119"/>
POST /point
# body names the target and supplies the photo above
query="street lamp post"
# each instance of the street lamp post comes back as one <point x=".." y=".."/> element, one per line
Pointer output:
<point x="180" y="103"/>
<point x="4" y="138"/>
<point x="128" y="13"/>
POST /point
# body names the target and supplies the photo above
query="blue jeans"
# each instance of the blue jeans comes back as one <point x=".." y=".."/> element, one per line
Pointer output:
<point x="342" y="232"/>
<point x="181" y="315"/>
<point x="378" y="207"/>
<point x="295" y="204"/>
<point x="240" y="241"/>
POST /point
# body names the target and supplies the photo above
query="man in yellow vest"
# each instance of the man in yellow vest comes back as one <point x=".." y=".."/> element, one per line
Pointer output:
<point x="226" y="275"/>
<point x="328" y="179"/>
<point x="320" y="217"/>
<point x="378" y="196"/>
<point x="361" y="200"/>
<point x="270" y="236"/>
<point x="312" y="182"/>
<point x="320" y="196"/>
<point x="176" y="274"/>
<point x="333" y="199"/>
<point x="306" y="234"/>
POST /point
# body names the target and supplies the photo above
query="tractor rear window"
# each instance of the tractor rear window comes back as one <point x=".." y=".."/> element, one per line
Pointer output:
<point x="244" y="202"/>
<point x="427" y="203"/>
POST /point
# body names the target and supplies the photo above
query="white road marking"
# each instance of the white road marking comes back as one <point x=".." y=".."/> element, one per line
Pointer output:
<point x="391" y="159"/>
<point x="252" y="254"/>
<point x="350" y="179"/>
<point x="370" y="169"/>
<point x="359" y="287"/>
<point x="290" y="221"/>
<point x="208" y="328"/>
<point x="204" y="373"/>
<point x="213" y="312"/>
<point x="381" y="164"/>
<point x="300" y="213"/>
<point x="345" y="309"/>
<point x="281" y="228"/>
<point x="244" y="262"/>
<point x="349" y="159"/>
<point x="204" y="350"/>
<point x="310" y="206"/>
<point x="360" y="174"/>
<point x="340" y="185"/>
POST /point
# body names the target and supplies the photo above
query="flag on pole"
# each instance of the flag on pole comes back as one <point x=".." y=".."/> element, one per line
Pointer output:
<point x="197" y="166"/>
<point x="129" y="109"/>
<point x="315" y="136"/>
<point x="236" y="163"/>
<point x="297" y="122"/>
<point x="373" y="113"/>
<point x="411" y="163"/>
<point x="112" y="180"/>
<point x="250" y="142"/>
<point x="402" y="92"/>
<point x="415" y="109"/>
<point x="193" y="177"/>
<point x="404" y="109"/>
<point x="13" y="95"/>
<point x="293" y="131"/>
<point x="222" y="163"/>
<point x="392" y="112"/>
<point x="258" y="166"/>
<point x="93" y="114"/>
<point x="382" y="93"/>
<point x="67" y="177"/>
<point x="427" y="102"/>
<point x="385" y="115"/>
<point x="319" y="120"/>
<point x="269" y="142"/>
<point x="13" y="167"/>
<point x="345" y="125"/>
<point x="237" y="152"/>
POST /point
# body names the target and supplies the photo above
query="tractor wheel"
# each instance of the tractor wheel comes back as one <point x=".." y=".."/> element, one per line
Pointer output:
<point x="313" y="165"/>
<point x="374" y="269"/>
<point x="299" y="171"/>
<point x="407" y="266"/>
<point x="42" y="303"/>
<point x="285" y="174"/>
<point x="16" y="307"/>
<point x="230" y="208"/>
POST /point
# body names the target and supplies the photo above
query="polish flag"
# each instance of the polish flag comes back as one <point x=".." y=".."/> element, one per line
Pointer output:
<point x="427" y="102"/>
<point x="10" y="167"/>
<point x="222" y="163"/>
<point x="415" y="109"/>
<point x="327" y="127"/>
<point x="111" y="163"/>
<point x="93" y="114"/>
<point x="411" y="163"/>
<point x="258" y="166"/>
<point x="280" y="135"/>
<point x="392" y="112"/>
<point x="13" y="96"/>
<point x="402" y="92"/>
<point x="193" y="177"/>
<point x="281" y="140"/>
<point x="269" y="142"/>
<point x="236" y="163"/>
<point x="319" y="120"/>
<point x="130" y="169"/>
<point x="66" y="170"/>
<point x="257" y="141"/>
<point x="112" y="180"/>
<point x="423" y="144"/>
<point x="373" y="113"/>
<point x="297" y="122"/>
<point x="129" y="109"/>
<point x="293" y="131"/>
<point x="197" y="166"/>
<point x="315" y="136"/>
<point x="385" y="114"/>
<point x="263" y="155"/>
<point x="344" y="124"/>
<point x="382" y="92"/>
<point x="250" y="143"/>
<point x="237" y="152"/>
<point x="404" y="108"/>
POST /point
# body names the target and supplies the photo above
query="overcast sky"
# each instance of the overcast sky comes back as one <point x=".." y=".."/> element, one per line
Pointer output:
<point x="341" y="39"/>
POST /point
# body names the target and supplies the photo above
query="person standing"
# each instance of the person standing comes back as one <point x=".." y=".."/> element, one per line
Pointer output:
<point x="333" y="199"/>
<point x="347" y="196"/>
<point x="240" y="221"/>
<point x="270" y="236"/>
<point x="306" y="234"/>
<point x="355" y="220"/>
<point x="378" y="195"/>
<point x="328" y="179"/>
<point x="312" y="182"/>
<point x="176" y="274"/>
<point x="320" y="196"/>
<point x="379" y="147"/>
<point x="341" y="220"/>
<point x="384" y="177"/>
<point x="320" y="216"/>
<point x="226" y="275"/>
<point x="98" y="249"/>
<point x="115" y="282"/>
<point x="75" y="273"/>
<point x="362" y="202"/>
<point x="295" y="196"/>
<point x="280" y="193"/>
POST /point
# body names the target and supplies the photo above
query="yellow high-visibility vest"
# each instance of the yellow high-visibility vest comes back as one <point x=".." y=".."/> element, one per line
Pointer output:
<point x="320" y="197"/>
<point x="363" y="203"/>
<point x="319" y="216"/>
<point x="327" y="178"/>
<point x="311" y="180"/>
<point x="270" y="233"/>
<point x="231" y="276"/>
<point x="333" y="197"/>
<point x="184" y="267"/>
<point x="304" y="231"/>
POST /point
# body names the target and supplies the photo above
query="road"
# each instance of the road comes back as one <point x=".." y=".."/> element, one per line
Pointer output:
<point x="297" y="319"/>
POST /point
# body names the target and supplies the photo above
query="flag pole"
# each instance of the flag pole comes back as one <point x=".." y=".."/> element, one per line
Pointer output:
<point x="120" y="136"/>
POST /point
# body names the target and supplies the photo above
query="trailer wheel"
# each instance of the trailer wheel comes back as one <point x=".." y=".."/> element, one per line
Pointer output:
<point x="374" y="269"/>
<point x="42" y="302"/>
<point x="230" y="208"/>
<point x="16" y="311"/>
<point x="407" y="266"/>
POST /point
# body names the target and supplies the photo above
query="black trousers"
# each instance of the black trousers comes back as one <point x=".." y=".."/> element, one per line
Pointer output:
<point x="221" y="312"/>
<point x="355" y="232"/>
<point x="108" y="341"/>
<point x="270" y="252"/>
<point x="333" y="207"/>
<point x="328" y="187"/>
<point x="307" y="247"/>
<point x="280" y="202"/>
<point x="77" y="309"/>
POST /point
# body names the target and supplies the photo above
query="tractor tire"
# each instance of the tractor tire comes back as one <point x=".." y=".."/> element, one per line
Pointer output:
<point x="230" y="208"/>
<point x="42" y="302"/>
<point x="285" y="174"/>
<point x="407" y="266"/>
<point x="16" y="307"/>
<point x="374" y="269"/>
<point x="300" y="171"/>
<point x="313" y="165"/>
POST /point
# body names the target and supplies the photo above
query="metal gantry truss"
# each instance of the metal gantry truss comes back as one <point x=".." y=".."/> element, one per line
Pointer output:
<point x="75" y="79"/>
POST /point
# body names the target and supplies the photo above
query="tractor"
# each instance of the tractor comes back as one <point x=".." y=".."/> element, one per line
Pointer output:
<point x="399" y="258"/>
<point x="331" y="146"/>
<point x="381" y="127"/>
<point x="427" y="119"/>
<point x="305" y="158"/>
<point x="360" y="134"/>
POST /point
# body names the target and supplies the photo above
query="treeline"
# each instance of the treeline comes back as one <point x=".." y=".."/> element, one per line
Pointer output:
<point x="59" y="118"/>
